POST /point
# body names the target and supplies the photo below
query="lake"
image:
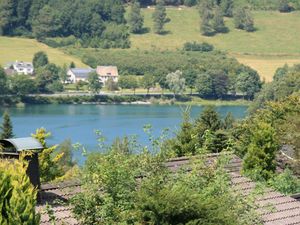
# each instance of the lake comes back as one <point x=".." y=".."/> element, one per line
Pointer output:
<point x="79" y="122"/>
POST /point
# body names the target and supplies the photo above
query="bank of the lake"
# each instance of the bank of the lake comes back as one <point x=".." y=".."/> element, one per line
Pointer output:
<point x="79" y="122"/>
<point x="140" y="99"/>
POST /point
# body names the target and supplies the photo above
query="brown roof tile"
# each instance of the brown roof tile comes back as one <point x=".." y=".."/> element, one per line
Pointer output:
<point x="275" y="208"/>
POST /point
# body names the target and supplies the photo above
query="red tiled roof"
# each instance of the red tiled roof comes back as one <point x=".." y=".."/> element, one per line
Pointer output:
<point x="285" y="210"/>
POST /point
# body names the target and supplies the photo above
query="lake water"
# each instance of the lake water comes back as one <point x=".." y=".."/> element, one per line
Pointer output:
<point x="79" y="122"/>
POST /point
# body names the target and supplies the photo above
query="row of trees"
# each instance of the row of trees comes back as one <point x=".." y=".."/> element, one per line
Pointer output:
<point x="136" y="19"/>
<point x="94" y="22"/>
<point x="212" y="13"/>
<point x="211" y="74"/>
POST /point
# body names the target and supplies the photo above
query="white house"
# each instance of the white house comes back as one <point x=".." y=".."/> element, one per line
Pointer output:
<point x="20" y="67"/>
<point x="78" y="74"/>
<point x="106" y="72"/>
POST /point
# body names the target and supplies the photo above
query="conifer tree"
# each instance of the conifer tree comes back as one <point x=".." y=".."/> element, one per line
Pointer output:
<point x="136" y="20"/>
<point x="243" y="19"/>
<point x="159" y="17"/>
<point x="227" y="7"/>
<point x="284" y="6"/>
<point x="6" y="127"/>
<point x="206" y="16"/>
<point x="218" y="23"/>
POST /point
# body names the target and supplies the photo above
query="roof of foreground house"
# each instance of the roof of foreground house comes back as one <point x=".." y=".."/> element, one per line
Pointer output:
<point x="285" y="210"/>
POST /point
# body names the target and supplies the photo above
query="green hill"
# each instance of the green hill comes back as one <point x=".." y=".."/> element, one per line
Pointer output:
<point x="12" y="49"/>
<point x="275" y="42"/>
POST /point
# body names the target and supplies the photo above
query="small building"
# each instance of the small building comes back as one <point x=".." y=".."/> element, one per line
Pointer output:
<point x="19" y="67"/>
<point x="75" y="75"/>
<point x="106" y="72"/>
<point x="11" y="149"/>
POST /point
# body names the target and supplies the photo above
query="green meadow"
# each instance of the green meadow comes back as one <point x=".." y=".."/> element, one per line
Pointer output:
<point x="274" y="43"/>
<point x="12" y="49"/>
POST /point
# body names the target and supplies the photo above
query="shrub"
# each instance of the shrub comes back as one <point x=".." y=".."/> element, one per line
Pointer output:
<point x="17" y="195"/>
<point x="201" y="47"/>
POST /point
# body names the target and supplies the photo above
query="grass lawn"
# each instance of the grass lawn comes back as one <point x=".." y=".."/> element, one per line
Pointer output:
<point x="274" y="43"/>
<point x="12" y="49"/>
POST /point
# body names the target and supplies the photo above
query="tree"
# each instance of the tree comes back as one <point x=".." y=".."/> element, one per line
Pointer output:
<point x="284" y="6"/>
<point x="94" y="82"/>
<point x="176" y="82"/>
<point x="190" y="77"/>
<point x="159" y="17"/>
<point x="184" y="143"/>
<point x="3" y="82"/>
<point x="218" y="23"/>
<point x="148" y="81"/>
<point x="48" y="160"/>
<point x="72" y="65"/>
<point x="6" y="127"/>
<point x="228" y="121"/>
<point x="227" y="7"/>
<point x="209" y="119"/>
<point x="7" y="12"/>
<point x="206" y="14"/>
<point x="111" y="85"/>
<point x="259" y="162"/>
<point x="47" y="79"/>
<point x="47" y="23"/>
<point x="22" y="85"/>
<point x="204" y="85"/>
<point x="243" y="19"/>
<point x="248" y="84"/>
<point x="40" y="59"/>
<point x="136" y="20"/>
<point x="17" y="195"/>
<point x="128" y="82"/>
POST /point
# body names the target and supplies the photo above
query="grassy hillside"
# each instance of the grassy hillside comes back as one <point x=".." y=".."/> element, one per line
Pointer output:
<point x="275" y="42"/>
<point x="12" y="49"/>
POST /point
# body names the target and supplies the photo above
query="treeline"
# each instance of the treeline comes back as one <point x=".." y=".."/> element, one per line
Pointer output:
<point x="212" y="74"/>
<point x="254" y="4"/>
<point x="91" y="21"/>
<point x="286" y="81"/>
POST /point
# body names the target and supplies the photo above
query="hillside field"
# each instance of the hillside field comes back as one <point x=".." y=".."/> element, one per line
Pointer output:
<point x="12" y="49"/>
<point x="274" y="43"/>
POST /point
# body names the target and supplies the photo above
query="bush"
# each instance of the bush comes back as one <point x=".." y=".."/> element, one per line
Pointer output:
<point x="17" y="195"/>
<point x="201" y="47"/>
<point x="285" y="183"/>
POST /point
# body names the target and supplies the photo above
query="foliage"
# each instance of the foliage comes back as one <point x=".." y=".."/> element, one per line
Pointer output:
<point x="148" y="81"/>
<point x="40" y="59"/>
<point x="48" y="160"/>
<point x="213" y="74"/>
<point x="243" y="19"/>
<point x="22" y="85"/>
<point x="285" y="182"/>
<point x="286" y="82"/>
<point x="227" y="7"/>
<point x="159" y="17"/>
<point x="201" y="47"/>
<point x="86" y="20"/>
<point x="128" y="82"/>
<point x="6" y="127"/>
<point x="111" y="85"/>
<point x="176" y="82"/>
<point x="94" y="82"/>
<point x="259" y="162"/>
<point x="136" y="20"/>
<point x="17" y="195"/>
<point x="202" y="196"/>
<point x="284" y="6"/>
<point x="48" y="79"/>
<point x="3" y="82"/>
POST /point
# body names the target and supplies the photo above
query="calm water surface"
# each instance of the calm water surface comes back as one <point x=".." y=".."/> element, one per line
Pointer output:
<point x="79" y="122"/>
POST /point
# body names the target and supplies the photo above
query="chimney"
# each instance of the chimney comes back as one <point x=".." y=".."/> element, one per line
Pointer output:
<point x="12" y="149"/>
